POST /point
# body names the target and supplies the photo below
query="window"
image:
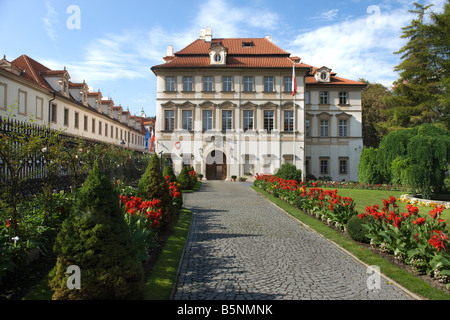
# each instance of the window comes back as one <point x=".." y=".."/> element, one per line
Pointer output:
<point x="54" y="113"/>
<point x="217" y="57"/>
<point x="208" y="84"/>
<point x="227" y="84"/>
<point x="85" y="123"/>
<point x="289" y="121"/>
<point x="307" y="97"/>
<point x="112" y="132"/>
<point x="66" y="117"/>
<point x="343" y="166"/>
<point x="268" y="120"/>
<point x="268" y="84"/>
<point x="343" y="128"/>
<point x="106" y="129"/>
<point x="187" y="120"/>
<point x="287" y="84"/>
<point x="324" y="128"/>
<point x="93" y="126"/>
<point x="343" y="98"/>
<point x="248" y="84"/>
<point x="324" y="75"/>
<point x="207" y="120"/>
<point x="227" y="120"/>
<point x="323" y="97"/>
<point x="323" y="166"/>
<point x="39" y="107"/>
<point x="187" y="84"/>
<point x="170" y="84"/>
<point x="117" y="133"/>
<point x="76" y="120"/>
<point x="307" y="127"/>
<point x="100" y="128"/>
<point x="248" y="120"/>
<point x="169" y="120"/>
<point x="22" y="103"/>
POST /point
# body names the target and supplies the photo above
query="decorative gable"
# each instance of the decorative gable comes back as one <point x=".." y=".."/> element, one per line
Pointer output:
<point x="218" y="54"/>
<point x="323" y="74"/>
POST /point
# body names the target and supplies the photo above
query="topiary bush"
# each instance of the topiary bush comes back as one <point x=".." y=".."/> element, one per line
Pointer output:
<point x="288" y="171"/>
<point x="168" y="171"/>
<point x="185" y="180"/>
<point x="355" y="229"/>
<point x="96" y="238"/>
<point x="153" y="186"/>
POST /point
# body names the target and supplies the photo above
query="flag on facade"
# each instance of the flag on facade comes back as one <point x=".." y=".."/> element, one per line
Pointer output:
<point x="147" y="136"/>
<point x="153" y="140"/>
<point x="294" y="81"/>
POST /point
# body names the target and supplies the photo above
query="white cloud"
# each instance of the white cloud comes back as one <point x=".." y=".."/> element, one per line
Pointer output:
<point x="50" y="20"/>
<point x="355" y="48"/>
<point x="329" y="15"/>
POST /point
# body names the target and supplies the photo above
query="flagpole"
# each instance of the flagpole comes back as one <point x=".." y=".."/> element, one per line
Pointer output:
<point x="294" y="91"/>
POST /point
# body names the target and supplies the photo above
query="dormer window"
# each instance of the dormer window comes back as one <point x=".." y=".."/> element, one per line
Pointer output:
<point x="247" y="44"/>
<point x="218" y="54"/>
<point x="322" y="74"/>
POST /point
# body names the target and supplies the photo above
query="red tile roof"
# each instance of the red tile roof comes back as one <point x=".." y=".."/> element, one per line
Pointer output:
<point x="262" y="53"/>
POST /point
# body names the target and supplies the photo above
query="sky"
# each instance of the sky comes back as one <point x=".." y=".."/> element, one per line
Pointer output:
<point x="113" y="44"/>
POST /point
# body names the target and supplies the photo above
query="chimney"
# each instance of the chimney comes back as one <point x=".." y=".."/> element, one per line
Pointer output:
<point x="202" y="34"/>
<point x="208" y="34"/>
<point x="169" y="51"/>
<point x="169" y="54"/>
<point x="269" y="38"/>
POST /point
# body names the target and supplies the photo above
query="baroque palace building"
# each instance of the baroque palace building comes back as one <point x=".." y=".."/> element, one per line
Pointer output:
<point x="49" y="97"/>
<point x="226" y="107"/>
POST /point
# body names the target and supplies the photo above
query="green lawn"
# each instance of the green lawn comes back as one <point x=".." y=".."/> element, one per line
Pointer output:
<point x="364" y="198"/>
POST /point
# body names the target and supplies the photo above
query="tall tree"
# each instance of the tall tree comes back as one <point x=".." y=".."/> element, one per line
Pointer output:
<point x="418" y="91"/>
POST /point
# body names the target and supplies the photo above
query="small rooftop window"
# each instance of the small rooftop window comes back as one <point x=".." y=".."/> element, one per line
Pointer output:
<point x="247" y="44"/>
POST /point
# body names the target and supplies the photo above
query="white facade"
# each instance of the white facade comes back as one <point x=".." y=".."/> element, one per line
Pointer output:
<point x="205" y="105"/>
<point x="50" y="97"/>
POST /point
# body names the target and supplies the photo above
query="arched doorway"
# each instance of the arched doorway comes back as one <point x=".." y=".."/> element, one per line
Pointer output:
<point x="216" y="165"/>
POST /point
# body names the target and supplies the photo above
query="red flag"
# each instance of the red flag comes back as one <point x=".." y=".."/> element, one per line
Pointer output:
<point x="153" y="140"/>
<point x="294" y="81"/>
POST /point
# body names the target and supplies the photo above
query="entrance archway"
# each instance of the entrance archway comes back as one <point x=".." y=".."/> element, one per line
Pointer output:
<point x="216" y="165"/>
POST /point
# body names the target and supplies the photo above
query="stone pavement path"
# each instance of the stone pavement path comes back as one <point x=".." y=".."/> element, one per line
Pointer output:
<point x="241" y="246"/>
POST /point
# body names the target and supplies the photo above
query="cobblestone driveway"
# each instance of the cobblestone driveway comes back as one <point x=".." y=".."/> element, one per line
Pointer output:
<point x="241" y="246"/>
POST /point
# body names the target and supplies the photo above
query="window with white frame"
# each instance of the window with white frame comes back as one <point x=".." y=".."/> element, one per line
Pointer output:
<point x="307" y="97"/>
<point x="76" y="120"/>
<point x="227" y="120"/>
<point x="268" y="84"/>
<point x="343" y="128"/>
<point x="269" y="120"/>
<point x="247" y="120"/>
<point x="54" y="113"/>
<point x="227" y="84"/>
<point x="343" y="166"/>
<point x="85" y="123"/>
<point x="343" y="98"/>
<point x="287" y="84"/>
<point x="323" y="98"/>
<point x="170" y="84"/>
<point x="323" y="166"/>
<point x="66" y="117"/>
<point x="187" y="120"/>
<point x="248" y="84"/>
<point x="169" y="120"/>
<point x="289" y="121"/>
<point x="307" y="127"/>
<point x="324" y="128"/>
<point x="207" y="120"/>
<point x="208" y="83"/>
<point x="188" y="84"/>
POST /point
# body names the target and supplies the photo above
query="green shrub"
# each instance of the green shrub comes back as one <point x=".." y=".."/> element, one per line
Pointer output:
<point x="168" y="171"/>
<point x="153" y="186"/>
<point x="288" y="171"/>
<point x="367" y="169"/>
<point x="96" y="238"/>
<point x="355" y="229"/>
<point x="185" y="180"/>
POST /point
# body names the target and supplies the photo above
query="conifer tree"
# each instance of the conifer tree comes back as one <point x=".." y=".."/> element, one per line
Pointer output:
<point x="153" y="186"/>
<point x="96" y="238"/>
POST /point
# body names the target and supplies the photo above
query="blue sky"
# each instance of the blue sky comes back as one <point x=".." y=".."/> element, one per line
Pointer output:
<point x="113" y="44"/>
